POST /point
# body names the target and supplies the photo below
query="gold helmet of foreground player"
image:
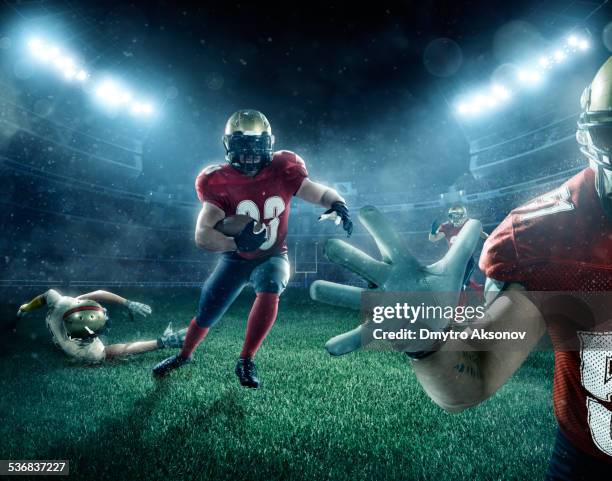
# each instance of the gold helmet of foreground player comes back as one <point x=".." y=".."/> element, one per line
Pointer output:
<point x="248" y="141"/>
<point x="85" y="320"/>
<point x="457" y="215"/>
<point x="594" y="132"/>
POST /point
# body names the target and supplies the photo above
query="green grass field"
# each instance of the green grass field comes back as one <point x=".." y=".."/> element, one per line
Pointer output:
<point x="358" y="417"/>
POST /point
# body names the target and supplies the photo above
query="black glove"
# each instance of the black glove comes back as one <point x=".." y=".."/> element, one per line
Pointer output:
<point x="341" y="211"/>
<point x="248" y="240"/>
<point x="434" y="227"/>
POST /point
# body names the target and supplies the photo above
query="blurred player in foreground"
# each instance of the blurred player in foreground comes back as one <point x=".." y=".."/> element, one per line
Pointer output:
<point x="259" y="183"/>
<point x="561" y="241"/>
<point x="76" y="322"/>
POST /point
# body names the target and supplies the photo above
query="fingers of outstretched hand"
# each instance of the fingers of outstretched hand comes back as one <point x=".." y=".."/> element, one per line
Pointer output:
<point x="336" y="294"/>
<point x="357" y="261"/>
<point x="344" y="343"/>
<point x="387" y="239"/>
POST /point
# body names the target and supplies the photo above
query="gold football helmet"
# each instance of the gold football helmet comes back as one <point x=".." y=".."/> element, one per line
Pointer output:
<point x="594" y="132"/>
<point x="85" y="320"/>
<point x="457" y="214"/>
<point x="248" y="141"/>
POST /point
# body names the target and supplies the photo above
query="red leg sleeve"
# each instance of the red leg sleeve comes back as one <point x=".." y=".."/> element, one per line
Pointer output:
<point x="261" y="319"/>
<point x="195" y="335"/>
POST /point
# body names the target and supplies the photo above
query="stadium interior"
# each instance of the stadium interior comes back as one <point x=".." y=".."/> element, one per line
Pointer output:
<point x="100" y="145"/>
<point x="114" y="191"/>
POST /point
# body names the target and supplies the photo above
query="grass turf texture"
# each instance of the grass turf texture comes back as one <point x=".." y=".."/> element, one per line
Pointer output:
<point x="362" y="416"/>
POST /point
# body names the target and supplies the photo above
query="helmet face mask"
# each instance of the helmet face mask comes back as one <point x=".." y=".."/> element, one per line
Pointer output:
<point x="457" y="215"/>
<point x="594" y="132"/>
<point x="248" y="153"/>
<point x="248" y="141"/>
<point x="85" y="321"/>
<point x="595" y="139"/>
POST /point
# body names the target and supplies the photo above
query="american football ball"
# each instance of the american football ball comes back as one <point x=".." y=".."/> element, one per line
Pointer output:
<point x="232" y="226"/>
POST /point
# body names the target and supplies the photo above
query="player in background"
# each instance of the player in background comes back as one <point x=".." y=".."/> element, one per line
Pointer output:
<point x="76" y="322"/>
<point x="457" y="217"/>
<point x="561" y="241"/>
<point x="260" y="183"/>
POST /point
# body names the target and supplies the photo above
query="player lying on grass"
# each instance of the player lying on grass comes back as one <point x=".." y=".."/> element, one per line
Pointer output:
<point x="561" y="241"/>
<point x="259" y="183"/>
<point x="76" y="322"/>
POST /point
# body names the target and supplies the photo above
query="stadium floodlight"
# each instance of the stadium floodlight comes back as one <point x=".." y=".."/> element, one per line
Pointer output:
<point x="529" y="77"/>
<point x="82" y="75"/>
<point x="530" y="74"/>
<point x="54" y="52"/>
<point x="42" y="52"/>
<point x="64" y="64"/>
<point x="136" y="108"/>
<point x="559" y="55"/>
<point x="141" y="108"/>
<point x="463" y="108"/>
<point x="544" y="62"/>
<point x="125" y="97"/>
<point x="107" y="91"/>
<point x="500" y="92"/>
<point x="70" y="73"/>
<point x="35" y="44"/>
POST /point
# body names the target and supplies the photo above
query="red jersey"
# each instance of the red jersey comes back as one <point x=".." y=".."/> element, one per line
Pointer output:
<point x="450" y="231"/>
<point x="265" y="197"/>
<point x="562" y="241"/>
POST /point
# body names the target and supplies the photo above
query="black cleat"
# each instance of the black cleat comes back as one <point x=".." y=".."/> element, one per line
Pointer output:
<point x="167" y="365"/>
<point x="247" y="373"/>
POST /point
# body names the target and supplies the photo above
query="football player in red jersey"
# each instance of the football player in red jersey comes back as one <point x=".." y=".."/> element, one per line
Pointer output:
<point x="457" y="217"/>
<point x="260" y="183"/>
<point x="561" y="241"/>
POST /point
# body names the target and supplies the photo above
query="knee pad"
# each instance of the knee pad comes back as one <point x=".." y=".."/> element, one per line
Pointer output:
<point x="272" y="276"/>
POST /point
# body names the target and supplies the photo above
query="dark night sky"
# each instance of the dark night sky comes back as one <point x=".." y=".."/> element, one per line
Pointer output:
<point x="348" y="86"/>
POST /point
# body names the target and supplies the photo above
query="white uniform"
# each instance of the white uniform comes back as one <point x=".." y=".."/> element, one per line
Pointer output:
<point x="90" y="351"/>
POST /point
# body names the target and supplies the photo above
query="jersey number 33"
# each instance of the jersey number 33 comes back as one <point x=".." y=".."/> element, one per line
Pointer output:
<point x="273" y="208"/>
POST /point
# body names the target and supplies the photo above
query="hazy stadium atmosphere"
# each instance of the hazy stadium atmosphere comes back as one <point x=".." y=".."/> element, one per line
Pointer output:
<point x="107" y="114"/>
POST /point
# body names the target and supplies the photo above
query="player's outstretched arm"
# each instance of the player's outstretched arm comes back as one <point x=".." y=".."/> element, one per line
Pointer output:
<point x="327" y="197"/>
<point x="398" y="271"/>
<point x="456" y="376"/>
<point x="206" y="236"/>
<point x="460" y="376"/>
<point x="47" y="298"/>
<point x="36" y="303"/>
<point x="319" y="194"/>
<point x="135" y="308"/>
<point x="103" y="296"/>
<point x="434" y="234"/>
